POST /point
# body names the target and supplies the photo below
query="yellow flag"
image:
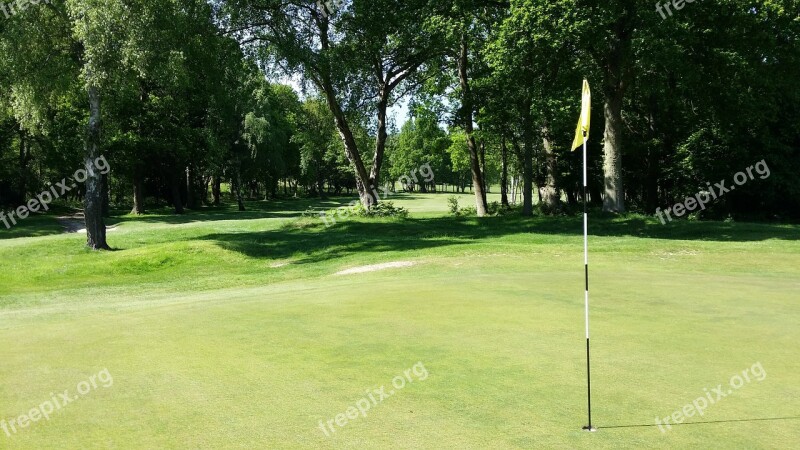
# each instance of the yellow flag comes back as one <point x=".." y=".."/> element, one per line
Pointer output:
<point x="586" y="116"/>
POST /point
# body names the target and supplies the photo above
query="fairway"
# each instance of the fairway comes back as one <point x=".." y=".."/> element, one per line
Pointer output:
<point x="226" y="329"/>
<point x="450" y="224"/>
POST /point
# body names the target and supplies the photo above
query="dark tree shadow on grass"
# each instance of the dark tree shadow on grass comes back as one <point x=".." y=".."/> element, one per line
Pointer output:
<point x="270" y="209"/>
<point x="606" y="225"/>
<point x="309" y="241"/>
<point x="699" y="422"/>
<point x="403" y="235"/>
<point x="317" y="243"/>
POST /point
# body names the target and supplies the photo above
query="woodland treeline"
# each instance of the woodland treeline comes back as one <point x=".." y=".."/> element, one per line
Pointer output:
<point x="266" y="98"/>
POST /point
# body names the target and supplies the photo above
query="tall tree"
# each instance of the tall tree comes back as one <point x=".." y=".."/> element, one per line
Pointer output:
<point x="327" y="47"/>
<point x="609" y="40"/>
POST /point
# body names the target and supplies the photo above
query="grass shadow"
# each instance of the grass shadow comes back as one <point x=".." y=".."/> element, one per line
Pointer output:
<point x="701" y="422"/>
<point x="308" y="241"/>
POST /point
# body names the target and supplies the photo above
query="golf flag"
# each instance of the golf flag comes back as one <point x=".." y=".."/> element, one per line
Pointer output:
<point x="586" y="116"/>
<point x="581" y="136"/>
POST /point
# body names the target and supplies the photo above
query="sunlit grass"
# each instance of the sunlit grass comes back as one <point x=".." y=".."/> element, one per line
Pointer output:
<point x="227" y="329"/>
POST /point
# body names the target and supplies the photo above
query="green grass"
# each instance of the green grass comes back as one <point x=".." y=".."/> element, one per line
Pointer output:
<point x="32" y="226"/>
<point x="226" y="329"/>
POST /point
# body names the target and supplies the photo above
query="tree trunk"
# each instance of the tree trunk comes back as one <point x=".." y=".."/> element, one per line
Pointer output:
<point x="571" y="198"/>
<point x="380" y="141"/>
<point x="138" y="194"/>
<point x="483" y="168"/>
<point x="192" y="200"/>
<point x="527" y="163"/>
<point x="93" y="206"/>
<point x="365" y="193"/>
<point x="514" y="187"/>
<point x="595" y="195"/>
<point x="24" y="157"/>
<point x="616" y="72"/>
<point x="653" y="160"/>
<point x="204" y="192"/>
<point x="503" y="172"/>
<point x="272" y="188"/>
<point x="466" y="105"/>
<point x="550" y="194"/>
<point x="175" y="191"/>
<point x="614" y="199"/>
<point x="216" y="189"/>
<point x="237" y="185"/>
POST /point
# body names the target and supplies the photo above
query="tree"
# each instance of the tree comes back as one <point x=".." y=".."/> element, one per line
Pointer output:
<point x="316" y="137"/>
<point x="299" y="37"/>
<point x="465" y="34"/>
<point x="531" y="56"/>
<point x="609" y="40"/>
<point x="421" y="141"/>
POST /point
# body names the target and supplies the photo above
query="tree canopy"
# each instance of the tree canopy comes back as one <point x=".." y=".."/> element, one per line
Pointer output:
<point x="268" y="98"/>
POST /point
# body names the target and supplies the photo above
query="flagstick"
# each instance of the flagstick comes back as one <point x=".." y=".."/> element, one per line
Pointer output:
<point x="586" y="272"/>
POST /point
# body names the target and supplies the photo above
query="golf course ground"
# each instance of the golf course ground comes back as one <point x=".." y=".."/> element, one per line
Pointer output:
<point x="221" y="329"/>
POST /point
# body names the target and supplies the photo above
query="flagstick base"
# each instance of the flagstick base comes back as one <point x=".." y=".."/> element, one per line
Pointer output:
<point x="590" y="429"/>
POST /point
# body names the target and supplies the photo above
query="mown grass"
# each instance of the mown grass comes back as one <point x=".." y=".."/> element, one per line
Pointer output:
<point x="228" y="329"/>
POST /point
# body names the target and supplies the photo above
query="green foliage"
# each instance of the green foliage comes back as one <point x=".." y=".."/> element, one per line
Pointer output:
<point x="421" y="141"/>
<point x="468" y="211"/>
<point x="382" y="209"/>
<point x="186" y="99"/>
<point x="452" y="205"/>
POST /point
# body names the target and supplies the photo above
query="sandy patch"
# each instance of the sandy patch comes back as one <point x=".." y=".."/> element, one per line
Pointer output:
<point x="76" y="223"/>
<point x="376" y="267"/>
<point x="672" y="255"/>
<point x="109" y="229"/>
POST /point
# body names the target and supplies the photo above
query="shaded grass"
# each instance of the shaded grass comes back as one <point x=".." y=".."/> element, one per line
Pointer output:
<point x="33" y="226"/>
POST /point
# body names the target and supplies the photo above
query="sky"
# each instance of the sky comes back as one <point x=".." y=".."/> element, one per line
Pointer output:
<point x="399" y="112"/>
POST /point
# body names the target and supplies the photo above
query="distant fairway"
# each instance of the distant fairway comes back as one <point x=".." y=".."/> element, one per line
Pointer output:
<point x="232" y="330"/>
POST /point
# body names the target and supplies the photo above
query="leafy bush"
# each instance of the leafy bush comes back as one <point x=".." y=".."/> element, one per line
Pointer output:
<point x="468" y="211"/>
<point x="387" y="209"/>
<point x="383" y="209"/>
<point x="452" y="205"/>
<point x="494" y="208"/>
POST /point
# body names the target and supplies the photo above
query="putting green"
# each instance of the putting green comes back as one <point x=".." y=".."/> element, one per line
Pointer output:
<point x="237" y="333"/>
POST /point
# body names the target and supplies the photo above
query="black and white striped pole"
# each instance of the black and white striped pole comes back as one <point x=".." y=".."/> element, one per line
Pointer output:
<point x="586" y="293"/>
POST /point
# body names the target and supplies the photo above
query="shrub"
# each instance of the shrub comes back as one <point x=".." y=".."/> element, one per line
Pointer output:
<point x="383" y="209"/>
<point x="468" y="211"/>
<point x="387" y="209"/>
<point x="494" y="209"/>
<point x="452" y="205"/>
